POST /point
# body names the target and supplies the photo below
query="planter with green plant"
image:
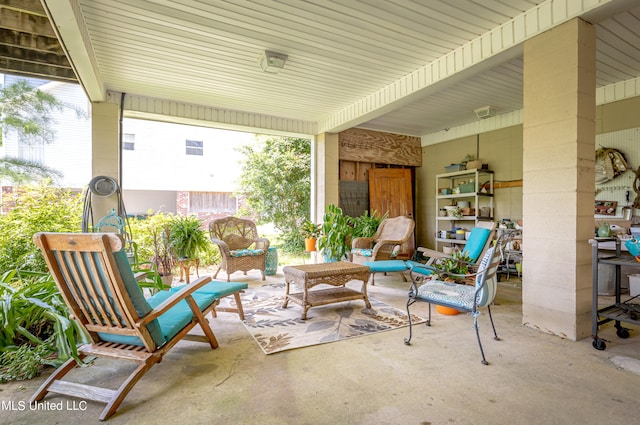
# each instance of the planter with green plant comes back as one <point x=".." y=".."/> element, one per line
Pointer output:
<point x="187" y="238"/>
<point x="365" y="225"/>
<point x="335" y="239"/>
<point x="454" y="267"/>
<point x="310" y="231"/>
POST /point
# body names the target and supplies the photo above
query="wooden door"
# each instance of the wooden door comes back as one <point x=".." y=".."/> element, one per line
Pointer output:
<point x="390" y="191"/>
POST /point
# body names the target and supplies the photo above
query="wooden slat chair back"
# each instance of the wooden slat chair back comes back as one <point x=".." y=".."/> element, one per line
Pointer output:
<point x="241" y="248"/>
<point x="95" y="279"/>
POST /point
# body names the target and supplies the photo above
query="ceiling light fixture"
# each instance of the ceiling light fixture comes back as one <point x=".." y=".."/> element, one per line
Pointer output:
<point x="272" y="62"/>
<point x="485" y="112"/>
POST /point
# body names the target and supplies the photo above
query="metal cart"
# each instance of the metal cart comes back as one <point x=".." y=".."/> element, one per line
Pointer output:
<point x="621" y="311"/>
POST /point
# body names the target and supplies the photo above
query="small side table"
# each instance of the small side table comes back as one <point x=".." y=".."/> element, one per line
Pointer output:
<point x="336" y="274"/>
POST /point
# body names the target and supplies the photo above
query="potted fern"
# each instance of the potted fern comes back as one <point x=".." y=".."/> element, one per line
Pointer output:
<point x="187" y="237"/>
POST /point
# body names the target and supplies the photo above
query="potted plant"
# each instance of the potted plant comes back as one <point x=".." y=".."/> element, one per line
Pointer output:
<point x="310" y="231"/>
<point x="365" y="225"/>
<point x="187" y="238"/>
<point x="335" y="239"/>
<point x="455" y="266"/>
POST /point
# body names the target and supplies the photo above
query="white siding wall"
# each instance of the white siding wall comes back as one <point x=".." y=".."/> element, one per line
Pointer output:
<point x="159" y="160"/>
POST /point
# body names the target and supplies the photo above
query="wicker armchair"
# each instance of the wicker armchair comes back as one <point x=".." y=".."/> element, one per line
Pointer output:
<point x="384" y="245"/>
<point x="240" y="247"/>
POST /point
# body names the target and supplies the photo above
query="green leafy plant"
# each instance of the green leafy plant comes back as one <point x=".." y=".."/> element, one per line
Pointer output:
<point x="187" y="238"/>
<point x="310" y="229"/>
<point x="36" y="329"/>
<point x="335" y="240"/>
<point x="457" y="263"/>
<point x="366" y="225"/>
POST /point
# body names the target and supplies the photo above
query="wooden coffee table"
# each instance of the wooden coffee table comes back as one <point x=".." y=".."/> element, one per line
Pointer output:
<point x="336" y="274"/>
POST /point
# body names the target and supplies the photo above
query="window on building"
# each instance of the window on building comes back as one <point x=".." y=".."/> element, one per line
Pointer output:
<point x="216" y="202"/>
<point x="128" y="141"/>
<point x="194" y="147"/>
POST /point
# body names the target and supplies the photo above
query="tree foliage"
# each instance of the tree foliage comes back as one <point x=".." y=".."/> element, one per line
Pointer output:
<point x="28" y="113"/>
<point x="276" y="182"/>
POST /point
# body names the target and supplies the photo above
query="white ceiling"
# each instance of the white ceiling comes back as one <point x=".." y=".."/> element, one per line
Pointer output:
<point x="342" y="54"/>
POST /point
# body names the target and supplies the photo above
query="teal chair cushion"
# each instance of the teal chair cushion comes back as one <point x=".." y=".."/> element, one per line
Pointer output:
<point x="137" y="299"/>
<point x="218" y="288"/>
<point x="246" y="252"/>
<point x="363" y="252"/>
<point x="417" y="267"/>
<point x="476" y="242"/>
<point x="386" y="266"/>
<point x="169" y="323"/>
<point x="449" y="294"/>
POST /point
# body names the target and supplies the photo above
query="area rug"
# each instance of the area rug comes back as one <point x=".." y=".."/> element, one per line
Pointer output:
<point x="278" y="329"/>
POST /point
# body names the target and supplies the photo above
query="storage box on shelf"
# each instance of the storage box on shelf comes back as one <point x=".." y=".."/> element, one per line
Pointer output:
<point x="472" y="188"/>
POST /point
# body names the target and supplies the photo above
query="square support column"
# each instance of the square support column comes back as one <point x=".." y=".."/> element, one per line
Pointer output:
<point x="325" y="172"/>
<point x="558" y="179"/>
<point x="105" y="161"/>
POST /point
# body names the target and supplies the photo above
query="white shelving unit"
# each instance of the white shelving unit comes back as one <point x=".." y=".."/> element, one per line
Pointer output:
<point x="474" y="186"/>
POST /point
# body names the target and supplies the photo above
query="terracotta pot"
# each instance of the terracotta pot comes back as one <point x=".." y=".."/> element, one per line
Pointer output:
<point x="446" y="310"/>
<point x="310" y="244"/>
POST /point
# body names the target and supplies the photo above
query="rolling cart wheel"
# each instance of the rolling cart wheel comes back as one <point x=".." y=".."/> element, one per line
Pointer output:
<point x="599" y="344"/>
<point x="623" y="333"/>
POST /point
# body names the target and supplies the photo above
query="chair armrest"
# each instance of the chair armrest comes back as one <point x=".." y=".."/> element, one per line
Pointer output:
<point x="431" y="253"/>
<point x="362" y="242"/>
<point x="224" y="247"/>
<point x="262" y="243"/>
<point x="174" y="299"/>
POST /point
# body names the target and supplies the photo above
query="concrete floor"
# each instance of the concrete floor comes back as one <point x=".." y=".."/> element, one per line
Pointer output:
<point x="533" y="378"/>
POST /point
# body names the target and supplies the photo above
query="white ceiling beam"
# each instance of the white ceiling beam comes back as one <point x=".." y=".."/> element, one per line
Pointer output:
<point x="67" y="21"/>
<point x="485" y="49"/>
<point x="142" y="107"/>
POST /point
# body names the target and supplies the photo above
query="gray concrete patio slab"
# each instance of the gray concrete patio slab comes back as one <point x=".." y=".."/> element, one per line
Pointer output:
<point x="533" y="377"/>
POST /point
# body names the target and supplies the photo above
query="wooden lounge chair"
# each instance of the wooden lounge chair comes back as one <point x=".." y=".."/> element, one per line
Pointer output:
<point x="94" y="277"/>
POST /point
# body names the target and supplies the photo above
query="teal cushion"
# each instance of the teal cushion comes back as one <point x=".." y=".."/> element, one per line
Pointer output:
<point x="385" y="266"/>
<point x="475" y="243"/>
<point x="417" y="267"/>
<point x="137" y="299"/>
<point x="246" y="252"/>
<point x="218" y="288"/>
<point x="363" y="252"/>
<point x="180" y="315"/>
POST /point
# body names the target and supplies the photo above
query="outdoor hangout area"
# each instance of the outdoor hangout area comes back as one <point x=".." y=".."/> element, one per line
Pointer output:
<point x="353" y="361"/>
<point x="319" y="212"/>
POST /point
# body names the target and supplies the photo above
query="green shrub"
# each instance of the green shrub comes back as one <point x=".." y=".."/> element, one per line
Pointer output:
<point x="38" y="208"/>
